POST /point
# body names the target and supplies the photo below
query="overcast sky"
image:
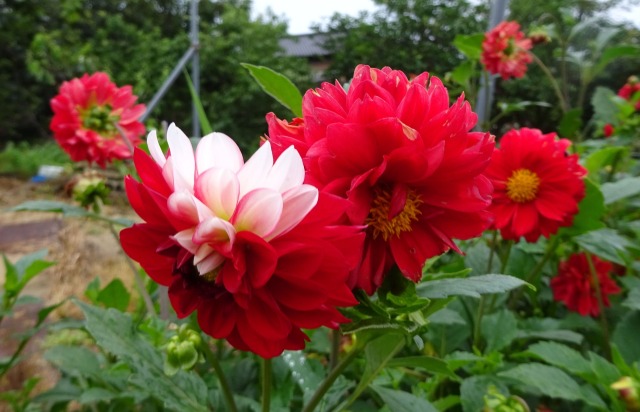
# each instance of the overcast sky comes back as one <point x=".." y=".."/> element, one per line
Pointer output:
<point x="301" y="14"/>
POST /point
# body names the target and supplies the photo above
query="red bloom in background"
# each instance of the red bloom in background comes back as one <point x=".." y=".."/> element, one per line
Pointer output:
<point x="257" y="253"/>
<point x="607" y="130"/>
<point x="574" y="284"/>
<point x="406" y="160"/>
<point x="629" y="90"/>
<point x="538" y="185"/>
<point x="86" y="111"/>
<point x="505" y="50"/>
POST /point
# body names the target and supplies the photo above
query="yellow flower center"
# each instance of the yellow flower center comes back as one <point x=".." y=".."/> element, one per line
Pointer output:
<point x="523" y="185"/>
<point x="379" y="217"/>
<point x="100" y="119"/>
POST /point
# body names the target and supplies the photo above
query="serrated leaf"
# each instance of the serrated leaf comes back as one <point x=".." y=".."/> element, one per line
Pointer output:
<point x="400" y="401"/>
<point x="303" y="373"/>
<point x="559" y="334"/>
<point x="474" y="286"/>
<point x="277" y="86"/>
<point x="115" y="333"/>
<point x="625" y="337"/>
<point x="115" y="295"/>
<point x="633" y="300"/>
<point x="606" y="243"/>
<point x="548" y="380"/>
<point x="570" y="123"/>
<point x="621" y="189"/>
<point x="74" y="360"/>
<point x="93" y="395"/>
<point x="473" y="390"/>
<point x="428" y="363"/>
<point x="499" y="330"/>
<point x="561" y="356"/>
<point x="603" y="105"/>
<point x="604" y="371"/>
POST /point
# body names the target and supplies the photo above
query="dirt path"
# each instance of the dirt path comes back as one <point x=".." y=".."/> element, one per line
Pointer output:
<point x="82" y="250"/>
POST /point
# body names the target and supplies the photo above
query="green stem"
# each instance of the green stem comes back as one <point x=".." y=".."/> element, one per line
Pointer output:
<point x="328" y="382"/>
<point x="533" y="275"/>
<point x="493" y="246"/>
<point x="136" y="276"/>
<point x="476" y="326"/>
<point x="224" y="384"/>
<point x="336" y="336"/>
<point x="266" y="385"/>
<point x="503" y="267"/>
<point x="603" y="320"/>
<point x="554" y="83"/>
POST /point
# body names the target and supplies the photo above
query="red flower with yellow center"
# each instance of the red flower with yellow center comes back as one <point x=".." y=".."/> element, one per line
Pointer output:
<point x="537" y="184"/>
<point x="88" y="111"/>
<point x="576" y="287"/>
<point x="630" y="90"/>
<point x="404" y="158"/>
<point x="505" y="51"/>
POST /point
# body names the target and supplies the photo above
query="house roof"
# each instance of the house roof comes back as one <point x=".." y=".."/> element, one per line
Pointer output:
<point x="305" y="45"/>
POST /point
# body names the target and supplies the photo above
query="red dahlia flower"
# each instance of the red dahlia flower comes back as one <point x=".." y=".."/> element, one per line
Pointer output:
<point x="537" y="184"/>
<point x="575" y="284"/>
<point x="608" y="130"/>
<point x="253" y="250"/>
<point x="86" y="112"/>
<point x="505" y="50"/>
<point x="404" y="158"/>
<point x="630" y="89"/>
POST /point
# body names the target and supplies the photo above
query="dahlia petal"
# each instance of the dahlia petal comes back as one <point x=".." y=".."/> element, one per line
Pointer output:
<point x="185" y="239"/>
<point x="184" y="299"/>
<point x="297" y="203"/>
<point x="210" y="262"/>
<point x="214" y="230"/>
<point x="258" y="212"/>
<point x="254" y="173"/>
<point x="218" y="319"/>
<point x="154" y="148"/>
<point x="220" y="151"/>
<point x="219" y="190"/>
<point x="525" y="219"/>
<point x="183" y="161"/>
<point x="266" y="319"/>
<point x="287" y="172"/>
<point x="182" y="206"/>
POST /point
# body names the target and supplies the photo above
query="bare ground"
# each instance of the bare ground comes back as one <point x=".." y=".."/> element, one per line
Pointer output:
<point x="82" y="250"/>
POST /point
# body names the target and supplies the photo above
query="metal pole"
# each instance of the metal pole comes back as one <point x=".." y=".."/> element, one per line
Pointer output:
<point x="195" y="65"/>
<point x="485" y="94"/>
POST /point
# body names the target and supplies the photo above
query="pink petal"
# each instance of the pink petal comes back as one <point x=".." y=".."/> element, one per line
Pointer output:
<point x="258" y="212"/>
<point x="184" y="239"/>
<point x="219" y="190"/>
<point x="214" y="230"/>
<point x="254" y="173"/>
<point x="287" y="172"/>
<point x="218" y="150"/>
<point x="183" y="207"/>
<point x="154" y="148"/>
<point x="209" y="263"/>
<point x="297" y="203"/>
<point x="183" y="160"/>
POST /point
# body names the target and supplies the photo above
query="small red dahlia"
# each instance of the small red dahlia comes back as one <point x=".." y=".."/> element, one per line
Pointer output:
<point x="258" y="254"/>
<point x="406" y="160"/>
<point x="85" y="114"/>
<point x="538" y="185"/>
<point x="575" y="286"/>
<point x="608" y="130"/>
<point x="505" y="50"/>
<point x="630" y="89"/>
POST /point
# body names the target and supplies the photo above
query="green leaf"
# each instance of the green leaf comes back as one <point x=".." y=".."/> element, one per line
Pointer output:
<point x="548" y="380"/>
<point x="625" y="337"/>
<point x="473" y="390"/>
<point x="303" y="373"/>
<point x="621" y="189"/>
<point x="115" y="333"/>
<point x="605" y="372"/>
<point x="463" y="72"/>
<point x="277" y="86"/>
<point x="94" y="395"/>
<point x="606" y="243"/>
<point x="11" y="278"/>
<point x="590" y="212"/>
<point x="477" y="259"/>
<point x="561" y="356"/>
<point x="604" y="157"/>
<point x="428" y="363"/>
<point x="474" y="286"/>
<point x="499" y="330"/>
<point x="400" y="401"/>
<point x="570" y="123"/>
<point x="469" y="44"/>
<point x="603" y="104"/>
<point x="202" y="115"/>
<point x="115" y="295"/>
<point x="559" y="334"/>
<point x="612" y="53"/>
<point x="633" y="300"/>
<point x="74" y="360"/>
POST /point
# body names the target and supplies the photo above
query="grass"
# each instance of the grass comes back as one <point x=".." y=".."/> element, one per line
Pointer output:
<point x="23" y="159"/>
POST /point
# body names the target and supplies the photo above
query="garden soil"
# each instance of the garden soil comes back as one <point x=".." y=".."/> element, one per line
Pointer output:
<point x="81" y="249"/>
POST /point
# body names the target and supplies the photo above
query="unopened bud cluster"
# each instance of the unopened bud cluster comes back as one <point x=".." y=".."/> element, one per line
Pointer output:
<point x="183" y="350"/>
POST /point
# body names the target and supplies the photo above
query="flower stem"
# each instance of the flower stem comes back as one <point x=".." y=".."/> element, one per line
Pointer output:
<point x="533" y="275"/>
<point x="553" y="81"/>
<point x="136" y="276"/>
<point x="333" y="375"/>
<point x="266" y="385"/>
<point x="224" y="384"/>
<point x="481" y="303"/>
<point x="603" y="319"/>
<point x="335" y="348"/>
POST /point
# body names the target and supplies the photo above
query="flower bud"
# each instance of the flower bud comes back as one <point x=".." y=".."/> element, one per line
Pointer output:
<point x="494" y="401"/>
<point x="627" y="388"/>
<point x="183" y="350"/>
<point x="608" y="130"/>
<point x="539" y="35"/>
